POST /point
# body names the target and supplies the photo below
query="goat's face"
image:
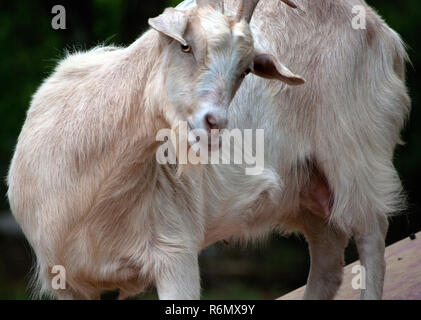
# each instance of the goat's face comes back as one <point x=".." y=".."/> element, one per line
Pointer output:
<point x="207" y="55"/>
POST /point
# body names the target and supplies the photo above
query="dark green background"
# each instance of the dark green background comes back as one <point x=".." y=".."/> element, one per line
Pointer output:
<point x="29" y="50"/>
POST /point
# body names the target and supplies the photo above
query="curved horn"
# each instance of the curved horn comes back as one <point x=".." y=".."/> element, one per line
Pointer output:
<point x="216" y="4"/>
<point x="246" y="9"/>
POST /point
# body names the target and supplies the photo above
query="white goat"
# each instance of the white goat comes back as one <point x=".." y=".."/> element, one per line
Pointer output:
<point x="89" y="195"/>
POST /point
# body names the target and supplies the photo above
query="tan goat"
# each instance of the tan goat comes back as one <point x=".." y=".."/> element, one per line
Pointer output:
<point x="87" y="190"/>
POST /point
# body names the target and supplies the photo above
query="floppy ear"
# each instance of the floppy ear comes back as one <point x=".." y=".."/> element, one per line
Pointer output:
<point x="267" y="66"/>
<point x="172" y="23"/>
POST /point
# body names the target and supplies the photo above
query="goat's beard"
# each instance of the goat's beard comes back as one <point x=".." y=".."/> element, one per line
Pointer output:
<point x="191" y="143"/>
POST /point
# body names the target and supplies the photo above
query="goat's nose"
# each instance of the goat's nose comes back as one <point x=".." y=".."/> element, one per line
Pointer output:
<point x="215" y="122"/>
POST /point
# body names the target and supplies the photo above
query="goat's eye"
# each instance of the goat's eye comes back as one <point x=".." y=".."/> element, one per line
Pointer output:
<point x="246" y="72"/>
<point x="186" y="49"/>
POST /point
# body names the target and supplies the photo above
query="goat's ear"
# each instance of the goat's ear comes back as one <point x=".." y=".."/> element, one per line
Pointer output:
<point x="267" y="66"/>
<point x="172" y="23"/>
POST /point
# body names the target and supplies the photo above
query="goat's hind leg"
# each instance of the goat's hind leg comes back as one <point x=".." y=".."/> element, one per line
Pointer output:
<point x="178" y="277"/>
<point x="371" y="249"/>
<point x="327" y="246"/>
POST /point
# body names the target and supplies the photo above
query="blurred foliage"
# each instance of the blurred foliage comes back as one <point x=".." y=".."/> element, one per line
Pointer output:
<point x="29" y="50"/>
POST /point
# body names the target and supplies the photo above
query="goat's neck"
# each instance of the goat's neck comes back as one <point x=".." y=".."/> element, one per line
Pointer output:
<point x="141" y="63"/>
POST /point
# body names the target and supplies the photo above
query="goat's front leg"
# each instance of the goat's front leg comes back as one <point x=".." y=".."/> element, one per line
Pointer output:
<point x="327" y="248"/>
<point x="371" y="248"/>
<point x="179" y="278"/>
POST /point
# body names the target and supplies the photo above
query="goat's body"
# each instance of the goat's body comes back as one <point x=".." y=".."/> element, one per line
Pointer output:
<point x="89" y="195"/>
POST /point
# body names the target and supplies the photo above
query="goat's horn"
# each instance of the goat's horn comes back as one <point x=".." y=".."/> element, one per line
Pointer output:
<point x="216" y="4"/>
<point x="246" y="9"/>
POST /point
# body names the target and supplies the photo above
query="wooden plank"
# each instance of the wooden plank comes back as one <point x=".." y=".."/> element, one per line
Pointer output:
<point x="403" y="274"/>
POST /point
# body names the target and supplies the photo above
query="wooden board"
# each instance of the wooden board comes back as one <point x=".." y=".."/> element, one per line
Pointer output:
<point x="403" y="274"/>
